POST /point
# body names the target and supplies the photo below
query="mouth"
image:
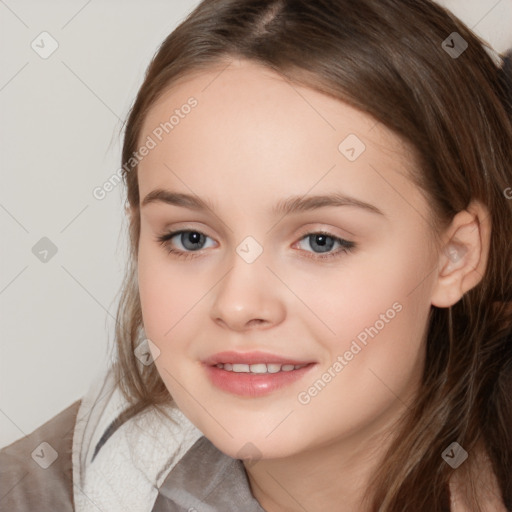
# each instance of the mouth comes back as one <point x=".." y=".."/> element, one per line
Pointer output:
<point x="254" y="374"/>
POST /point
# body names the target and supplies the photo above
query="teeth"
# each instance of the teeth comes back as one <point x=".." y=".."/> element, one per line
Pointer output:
<point x="273" y="367"/>
<point x="241" y="368"/>
<point x="259" y="367"/>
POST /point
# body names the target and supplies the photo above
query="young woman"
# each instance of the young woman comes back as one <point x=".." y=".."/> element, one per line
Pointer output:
<point x="316" y="314"/>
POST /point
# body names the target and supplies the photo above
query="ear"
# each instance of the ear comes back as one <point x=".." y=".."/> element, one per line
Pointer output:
<point x="464" y="254"/>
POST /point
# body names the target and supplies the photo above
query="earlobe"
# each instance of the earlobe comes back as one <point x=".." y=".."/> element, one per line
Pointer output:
<point x="463" y="258"/>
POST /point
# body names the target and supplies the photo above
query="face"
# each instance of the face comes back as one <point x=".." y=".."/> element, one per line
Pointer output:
<point x="342" y="287"/>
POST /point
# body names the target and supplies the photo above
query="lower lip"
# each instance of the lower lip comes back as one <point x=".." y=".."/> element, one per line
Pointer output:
<point x="253" y="384"/>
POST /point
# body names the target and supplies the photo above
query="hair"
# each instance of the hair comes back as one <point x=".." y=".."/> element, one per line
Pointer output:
<point x="386" y="59"/>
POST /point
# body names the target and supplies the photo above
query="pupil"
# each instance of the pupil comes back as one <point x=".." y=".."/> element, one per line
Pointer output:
<point x="321" y="241"/>
<point x="191" y="239"/>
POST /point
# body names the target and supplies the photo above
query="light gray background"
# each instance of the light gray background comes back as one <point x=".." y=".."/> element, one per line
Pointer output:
<point x="59" y="139"/>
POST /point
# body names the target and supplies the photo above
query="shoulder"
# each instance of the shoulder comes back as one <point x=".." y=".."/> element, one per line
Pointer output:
<point x="36" y="471"/>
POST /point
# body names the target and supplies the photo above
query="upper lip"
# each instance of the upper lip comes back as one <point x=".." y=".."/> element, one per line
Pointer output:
<point x="250" y="358"/>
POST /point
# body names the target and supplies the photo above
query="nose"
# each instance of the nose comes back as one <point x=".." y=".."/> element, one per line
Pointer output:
<point x="247" y="297"/>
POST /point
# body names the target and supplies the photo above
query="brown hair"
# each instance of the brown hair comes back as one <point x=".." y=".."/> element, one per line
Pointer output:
<point x="386" y="58"/>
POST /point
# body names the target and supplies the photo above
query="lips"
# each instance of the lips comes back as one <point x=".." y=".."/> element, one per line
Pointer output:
<point x="255" y="357"/>
<point x="252" y="385"/>
<point x="241" y="373"/>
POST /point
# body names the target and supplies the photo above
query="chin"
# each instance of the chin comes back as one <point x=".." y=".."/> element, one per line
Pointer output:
<point x="252" y="448"/>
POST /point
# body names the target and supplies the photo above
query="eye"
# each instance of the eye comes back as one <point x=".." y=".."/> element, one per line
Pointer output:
<point x="193" y="241"/>
<point x="190" y="240"/>
<point x="324" y="242"/>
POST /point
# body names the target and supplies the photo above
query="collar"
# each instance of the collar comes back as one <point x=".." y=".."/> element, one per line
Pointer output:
<point x="148" y="464"/>
<point x="206" y="480"/>
<point x="120" y="467"/>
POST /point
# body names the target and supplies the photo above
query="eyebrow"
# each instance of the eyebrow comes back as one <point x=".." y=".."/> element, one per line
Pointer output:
<point x="294" y="204"/>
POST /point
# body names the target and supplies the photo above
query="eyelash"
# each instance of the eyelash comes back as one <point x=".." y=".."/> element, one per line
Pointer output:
<point x="346" y="245"/>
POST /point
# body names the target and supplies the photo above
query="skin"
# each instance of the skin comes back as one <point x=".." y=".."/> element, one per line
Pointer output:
<point x="255" y="139"/>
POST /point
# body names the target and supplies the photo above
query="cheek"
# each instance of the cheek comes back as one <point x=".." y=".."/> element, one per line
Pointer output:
<point x="374" y="314"/>
<point x="166" y="292"/>
<point x="374" y="366"/>
<point x="365" y="290"/>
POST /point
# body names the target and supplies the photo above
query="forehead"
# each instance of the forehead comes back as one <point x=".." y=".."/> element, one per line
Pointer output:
<point x="251" y="128"/>
<point x="235" y="87"/>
